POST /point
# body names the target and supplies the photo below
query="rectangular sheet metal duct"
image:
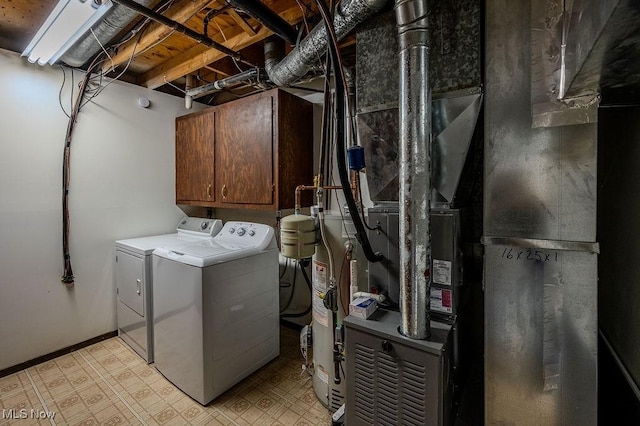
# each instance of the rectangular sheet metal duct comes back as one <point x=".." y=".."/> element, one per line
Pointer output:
<point x="539" y="185"/>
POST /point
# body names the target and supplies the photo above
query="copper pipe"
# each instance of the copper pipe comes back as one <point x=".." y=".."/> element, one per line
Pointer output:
<point x="354" y="185"/>
<point x="301" y="188"/>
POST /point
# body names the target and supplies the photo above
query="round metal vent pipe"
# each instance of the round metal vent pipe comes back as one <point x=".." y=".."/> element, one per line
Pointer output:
<point x="110" y="25"/>
<point x="415" y="167"/>
<point x="295" y="65"/>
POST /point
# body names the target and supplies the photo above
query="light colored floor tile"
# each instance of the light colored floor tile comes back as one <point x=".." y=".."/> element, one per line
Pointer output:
<point x="24" y="399"/>
<point x="62" y="376"/>
<point x="111" y="356"/>
<point x="116" y="414"/>
<point x="21" y="407"/>
<point x="212" y="421"/>
<point x="14" y="383"/>
<point x="289" y="417"/>
<point x="27" y="421"/>
<point x="107" y="383"/>
<point x="92" y="403"/>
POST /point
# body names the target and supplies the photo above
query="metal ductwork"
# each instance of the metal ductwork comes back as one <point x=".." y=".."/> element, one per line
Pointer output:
<point x="295" y="65"/>
<point x="415" y="167"/>
<point x="601" y="39"/>
<point x="583" y="57"/>
<point x="268" y="18"/>
<point x="234" y="80"/>
<point x="113" y="22"/>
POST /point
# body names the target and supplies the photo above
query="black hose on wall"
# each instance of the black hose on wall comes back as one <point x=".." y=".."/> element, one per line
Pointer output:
<point x="340" y="82"/>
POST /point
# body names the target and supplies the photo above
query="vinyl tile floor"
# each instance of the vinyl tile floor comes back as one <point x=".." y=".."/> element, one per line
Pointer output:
<point x="109" y="384"/>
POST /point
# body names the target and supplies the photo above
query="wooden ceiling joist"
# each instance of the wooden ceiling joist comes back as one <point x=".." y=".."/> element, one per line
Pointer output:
<point x="155" y="33"/>
<point x="200" y="56"/>
<point x="217" y="70"/>
<point x="241" y="22"/>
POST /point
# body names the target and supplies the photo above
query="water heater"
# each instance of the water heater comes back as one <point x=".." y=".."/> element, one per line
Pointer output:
<point x="339" y="233"/>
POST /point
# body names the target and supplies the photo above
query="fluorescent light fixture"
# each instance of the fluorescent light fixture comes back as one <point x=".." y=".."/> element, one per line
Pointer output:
<point x="68" y="21"/>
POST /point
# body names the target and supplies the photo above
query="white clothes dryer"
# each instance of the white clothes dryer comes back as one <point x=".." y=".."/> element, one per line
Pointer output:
<point x="216" y="309"/>
<point x="134" y="283"/>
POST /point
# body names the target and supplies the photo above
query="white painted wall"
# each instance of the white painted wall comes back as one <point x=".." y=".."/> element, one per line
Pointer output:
<point x="122" y="186"/>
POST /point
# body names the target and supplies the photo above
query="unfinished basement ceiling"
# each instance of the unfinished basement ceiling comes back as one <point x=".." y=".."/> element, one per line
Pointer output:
<point x="158" y="57"/>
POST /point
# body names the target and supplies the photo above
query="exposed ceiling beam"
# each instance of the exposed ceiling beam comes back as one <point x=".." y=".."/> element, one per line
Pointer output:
<point x="241" y="21"/>
<point x="225" y="67"/>
<point x="155" y="33"/>
<point x="216" y="70"/>
<point x="200" y="56"/>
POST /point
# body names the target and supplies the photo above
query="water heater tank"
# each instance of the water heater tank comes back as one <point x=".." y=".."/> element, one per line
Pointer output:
<point x="338" y="231"/>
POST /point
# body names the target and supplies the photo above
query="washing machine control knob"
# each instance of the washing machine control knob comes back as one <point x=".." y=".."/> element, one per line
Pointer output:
<point x="241" y="232"/>
<point x="252" y="233"/>
<point x="232" y="230"/>
<point x="204" y="225"/>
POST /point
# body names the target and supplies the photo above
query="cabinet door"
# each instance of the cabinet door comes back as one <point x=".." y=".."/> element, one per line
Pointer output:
<point x="194" y="157"/>
<point x="244" y="151"/>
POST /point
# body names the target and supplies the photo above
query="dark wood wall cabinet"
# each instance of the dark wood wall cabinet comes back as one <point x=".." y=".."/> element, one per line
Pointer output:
<point x="250" y="153"/>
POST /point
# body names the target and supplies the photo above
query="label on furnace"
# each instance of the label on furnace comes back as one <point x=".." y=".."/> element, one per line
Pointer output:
<point x="442" y="272"/>
<point x="441" y="300"/>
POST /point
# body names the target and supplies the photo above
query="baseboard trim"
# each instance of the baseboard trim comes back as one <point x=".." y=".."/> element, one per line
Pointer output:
<point x="56" y="354"/>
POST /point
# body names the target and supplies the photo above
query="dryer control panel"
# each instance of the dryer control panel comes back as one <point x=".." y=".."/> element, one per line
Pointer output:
<point x="199" y="226"/>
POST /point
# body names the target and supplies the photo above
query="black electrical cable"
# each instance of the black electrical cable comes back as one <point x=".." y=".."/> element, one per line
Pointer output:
<point x="73" y="85"/>
<point x="361" y="233"/>
<point x="210" y="15"/>
<point x="324" y="138"/>
<point x="64" y="81"/>
<point x="84" y="92"/>
<point x="67" y="277"/>
<point x="284" y="271"/>
<point x="298" y="315"/>
<point x="331" y="138"/>
<point x="268" y="18"/>
<point x="302" y="265"/>
<point x="293" y="290"/>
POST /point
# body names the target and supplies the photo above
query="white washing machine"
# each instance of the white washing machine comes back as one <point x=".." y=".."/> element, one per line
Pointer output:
<point x="216" y="309"/>
<point x="134" y="284"/>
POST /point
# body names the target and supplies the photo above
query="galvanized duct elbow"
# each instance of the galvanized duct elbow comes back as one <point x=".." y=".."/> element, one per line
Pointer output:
<point x="415" y="167"/>
<point x="298" y="62"/>
<point x="114" y="21"/>
<point x="273" y="54"/>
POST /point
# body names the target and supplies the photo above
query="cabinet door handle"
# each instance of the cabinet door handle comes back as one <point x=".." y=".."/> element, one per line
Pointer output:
<point x="209" y="190"/>
<point x="138" y="283"/>
<point x="224" y="191"/>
